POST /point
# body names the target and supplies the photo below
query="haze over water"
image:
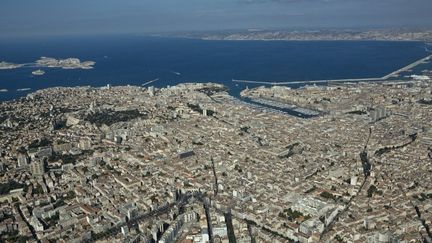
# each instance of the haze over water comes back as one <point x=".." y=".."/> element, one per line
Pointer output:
<point x="134" y="60"/>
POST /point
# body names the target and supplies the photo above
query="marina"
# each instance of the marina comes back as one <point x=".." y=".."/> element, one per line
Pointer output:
<point x="285" y="107"/>
<point x="274" y="103"/>
<point x="267" y="106"/>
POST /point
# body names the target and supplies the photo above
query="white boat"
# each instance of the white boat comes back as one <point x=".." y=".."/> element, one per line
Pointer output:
<point x="38" y="72"/>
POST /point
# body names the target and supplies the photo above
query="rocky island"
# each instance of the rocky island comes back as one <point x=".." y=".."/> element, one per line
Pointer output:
<point x="69" y="63"/>
<point x="49" y="62"/>
<point x="8" y="65"/>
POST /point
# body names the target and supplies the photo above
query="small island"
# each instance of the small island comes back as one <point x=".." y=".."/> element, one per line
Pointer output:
<point x="69" y="63"/>
<point x="49" y="62"/>
<point x="8" y="65"/>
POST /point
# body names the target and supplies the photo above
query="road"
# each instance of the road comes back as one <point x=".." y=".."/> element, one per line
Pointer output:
<point x="184" y="199"/>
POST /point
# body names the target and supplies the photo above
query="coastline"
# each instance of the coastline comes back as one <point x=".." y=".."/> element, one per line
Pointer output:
<point x="313" y="40"/>
<point x="136" y="76"/>
<point x="389" y="34"/>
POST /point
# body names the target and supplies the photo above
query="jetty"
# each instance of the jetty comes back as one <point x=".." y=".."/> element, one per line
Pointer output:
<point x="309" y="81"/>
<point x="386" y="77"/>
<point x="404" y="69"/>
<point x="149" y="82"/>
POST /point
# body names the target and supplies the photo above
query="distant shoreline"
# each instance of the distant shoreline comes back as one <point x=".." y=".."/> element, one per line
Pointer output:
<point x="295" y="40"/>
<point x="318" y="35"/>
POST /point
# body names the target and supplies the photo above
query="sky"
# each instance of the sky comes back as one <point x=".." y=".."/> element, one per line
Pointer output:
<point x="59" y="17"/>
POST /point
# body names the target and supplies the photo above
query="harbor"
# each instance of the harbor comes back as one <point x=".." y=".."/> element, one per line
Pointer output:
<point x="267" y="107"/>
<point x="305" y="112"/>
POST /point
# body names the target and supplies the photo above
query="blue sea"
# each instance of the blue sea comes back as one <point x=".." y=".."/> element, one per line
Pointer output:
<point x="134" y="60"/>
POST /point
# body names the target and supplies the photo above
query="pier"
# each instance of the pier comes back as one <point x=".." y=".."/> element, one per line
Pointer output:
<point x="386" y="77"/>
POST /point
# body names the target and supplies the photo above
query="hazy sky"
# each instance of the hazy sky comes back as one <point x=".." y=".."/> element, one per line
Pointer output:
<point x="47" y="17"/>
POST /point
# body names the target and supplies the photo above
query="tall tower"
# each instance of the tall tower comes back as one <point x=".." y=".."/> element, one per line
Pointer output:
<point x="151" y="91"/>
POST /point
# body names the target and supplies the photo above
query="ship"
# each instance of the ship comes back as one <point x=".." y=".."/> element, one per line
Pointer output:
<point x="38" y="72"/>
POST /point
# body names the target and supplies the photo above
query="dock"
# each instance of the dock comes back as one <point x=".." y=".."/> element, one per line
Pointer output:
<point x="386" y="77"/>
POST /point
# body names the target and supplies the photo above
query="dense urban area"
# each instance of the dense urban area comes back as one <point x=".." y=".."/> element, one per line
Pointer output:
<point x="346" y="162"/>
